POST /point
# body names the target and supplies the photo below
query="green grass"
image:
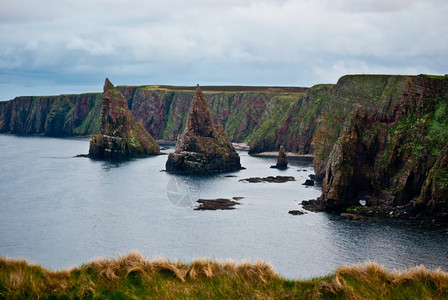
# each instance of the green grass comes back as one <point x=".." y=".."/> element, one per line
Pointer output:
<point x="133" y="276"/>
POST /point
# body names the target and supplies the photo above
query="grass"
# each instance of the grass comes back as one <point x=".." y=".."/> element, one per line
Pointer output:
<point x="133" y="276"/>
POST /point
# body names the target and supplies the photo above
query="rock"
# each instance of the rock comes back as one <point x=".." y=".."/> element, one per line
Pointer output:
<point x="215" y="204"/>
<point x="308" y="182"/>
<point x="354" y="217"/>
<point x="296" y="212"/>
<point x="120" y="136"/>
<point x="313" y="205"/>
<point x="276" y="179"/>
<point x="282" y="160"/>
<point x="203" y="148"/>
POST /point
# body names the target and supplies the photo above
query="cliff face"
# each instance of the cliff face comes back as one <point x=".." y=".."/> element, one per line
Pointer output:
<point x="64" y="115"/>
<point x="392" y="151"/>
<point x="162" y="110"/>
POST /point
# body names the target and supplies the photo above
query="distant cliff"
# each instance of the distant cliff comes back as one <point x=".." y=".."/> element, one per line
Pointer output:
<point x="64" y="115"/>
<point x="162" y="110"/>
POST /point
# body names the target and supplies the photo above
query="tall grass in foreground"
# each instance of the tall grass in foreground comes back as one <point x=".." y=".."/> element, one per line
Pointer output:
<point x="133" y="276"/>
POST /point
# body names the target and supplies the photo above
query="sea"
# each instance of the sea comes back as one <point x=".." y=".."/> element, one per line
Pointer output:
<point x="61" y="211"/>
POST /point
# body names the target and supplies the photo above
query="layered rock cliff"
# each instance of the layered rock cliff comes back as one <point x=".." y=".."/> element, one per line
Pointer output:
<point x="203" y="147"/>
<point x="120" y="136"/>
<point x="392" y="151"/>
<point x="162" y="110"/>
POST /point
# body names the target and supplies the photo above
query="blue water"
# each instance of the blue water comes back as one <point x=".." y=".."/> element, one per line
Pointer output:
<point x="60" y="211"/>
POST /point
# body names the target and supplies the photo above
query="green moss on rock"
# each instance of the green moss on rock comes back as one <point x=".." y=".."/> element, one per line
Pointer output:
<point x="120" y="136"/>
<point x="203" y="147"/>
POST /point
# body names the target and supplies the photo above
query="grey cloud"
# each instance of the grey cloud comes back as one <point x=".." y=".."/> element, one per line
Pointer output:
<point x="220" y="42"/>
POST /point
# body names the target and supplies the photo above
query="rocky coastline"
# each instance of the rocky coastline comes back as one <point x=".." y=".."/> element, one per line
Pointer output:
<point x="376" y="138"/>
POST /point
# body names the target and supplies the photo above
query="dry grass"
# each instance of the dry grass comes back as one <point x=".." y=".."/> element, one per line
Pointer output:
<point x="373" y="281"/>
<point x="133" y="276"/>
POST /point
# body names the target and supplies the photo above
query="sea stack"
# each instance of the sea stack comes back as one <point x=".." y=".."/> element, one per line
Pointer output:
<point x="203" y="147"/>
<point x="282" y="160"/>
<point x="120" y="136"/>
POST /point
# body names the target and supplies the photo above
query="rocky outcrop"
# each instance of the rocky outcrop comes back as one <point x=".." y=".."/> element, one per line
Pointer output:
<point x="203" y="148"/>
<point x="120" y="136"/>
<point x="282" y="160"/>
<point x="393" y="154"/>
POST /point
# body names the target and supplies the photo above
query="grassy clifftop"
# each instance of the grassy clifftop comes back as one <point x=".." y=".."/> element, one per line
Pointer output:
<point x="133" y="276"/>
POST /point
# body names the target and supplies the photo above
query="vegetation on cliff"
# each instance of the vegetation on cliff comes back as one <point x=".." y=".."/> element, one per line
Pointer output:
<point x="203" y="147"/>
<point x="120" y="136"/>
<point x="162" y="110"/>
<point x="392" y="151"/>
<point x="133" y="276"/>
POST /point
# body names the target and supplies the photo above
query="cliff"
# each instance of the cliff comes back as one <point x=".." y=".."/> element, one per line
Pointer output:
<point x="120" y="136"/>
<point x="378" y="138"/>
<point x="392" y="151"/>
<point x="162" y="110"/>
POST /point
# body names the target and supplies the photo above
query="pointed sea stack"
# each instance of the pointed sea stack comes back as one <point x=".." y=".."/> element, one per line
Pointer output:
<point x="120" y="136"/>
<point x="203" y="147"/>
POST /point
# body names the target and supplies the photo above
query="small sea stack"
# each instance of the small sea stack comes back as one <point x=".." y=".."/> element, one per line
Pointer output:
<point x="120" y="136"/>
<point x="282" y="160"/>
<point x="203" y="147"/>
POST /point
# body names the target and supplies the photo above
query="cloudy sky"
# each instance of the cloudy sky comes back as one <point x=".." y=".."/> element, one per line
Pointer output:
<point x="50" y="47"/>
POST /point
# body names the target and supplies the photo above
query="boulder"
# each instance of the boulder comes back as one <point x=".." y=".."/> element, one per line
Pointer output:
<point x="203" y="147"/>
<point x="120" y="136"/>
<point x="309" y="182"/>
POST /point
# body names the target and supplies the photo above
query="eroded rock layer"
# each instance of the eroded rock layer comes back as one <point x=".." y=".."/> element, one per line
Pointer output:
<point x="120" y="136"/>
<point x="203" y="147"/>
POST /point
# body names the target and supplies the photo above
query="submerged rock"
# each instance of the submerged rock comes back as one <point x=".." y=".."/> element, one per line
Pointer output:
<point x="276" y="179"/>
<point x="296" y="212"/>
<point x="203" y="148"/>
<point x="120" y="136"/>
<point x="215" y="204"/>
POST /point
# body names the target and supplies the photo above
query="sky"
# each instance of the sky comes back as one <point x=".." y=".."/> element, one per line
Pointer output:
<point x="52" y="47"/>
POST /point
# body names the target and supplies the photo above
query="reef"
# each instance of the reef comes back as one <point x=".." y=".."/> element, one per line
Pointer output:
<point x="120" y="136"/>
<point x="216" y="204"/>
<point x="203" y="147"/>
<point x="276" y="179"/>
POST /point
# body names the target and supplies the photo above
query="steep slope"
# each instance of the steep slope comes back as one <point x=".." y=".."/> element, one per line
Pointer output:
<point x="203" y="147"/>
<point x="162" y="110"/>
<point x="392" y="151"/>
<point x="64" y="115"/>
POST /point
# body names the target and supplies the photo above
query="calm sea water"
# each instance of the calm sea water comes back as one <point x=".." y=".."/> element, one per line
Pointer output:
<point x="61" y="211"/>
